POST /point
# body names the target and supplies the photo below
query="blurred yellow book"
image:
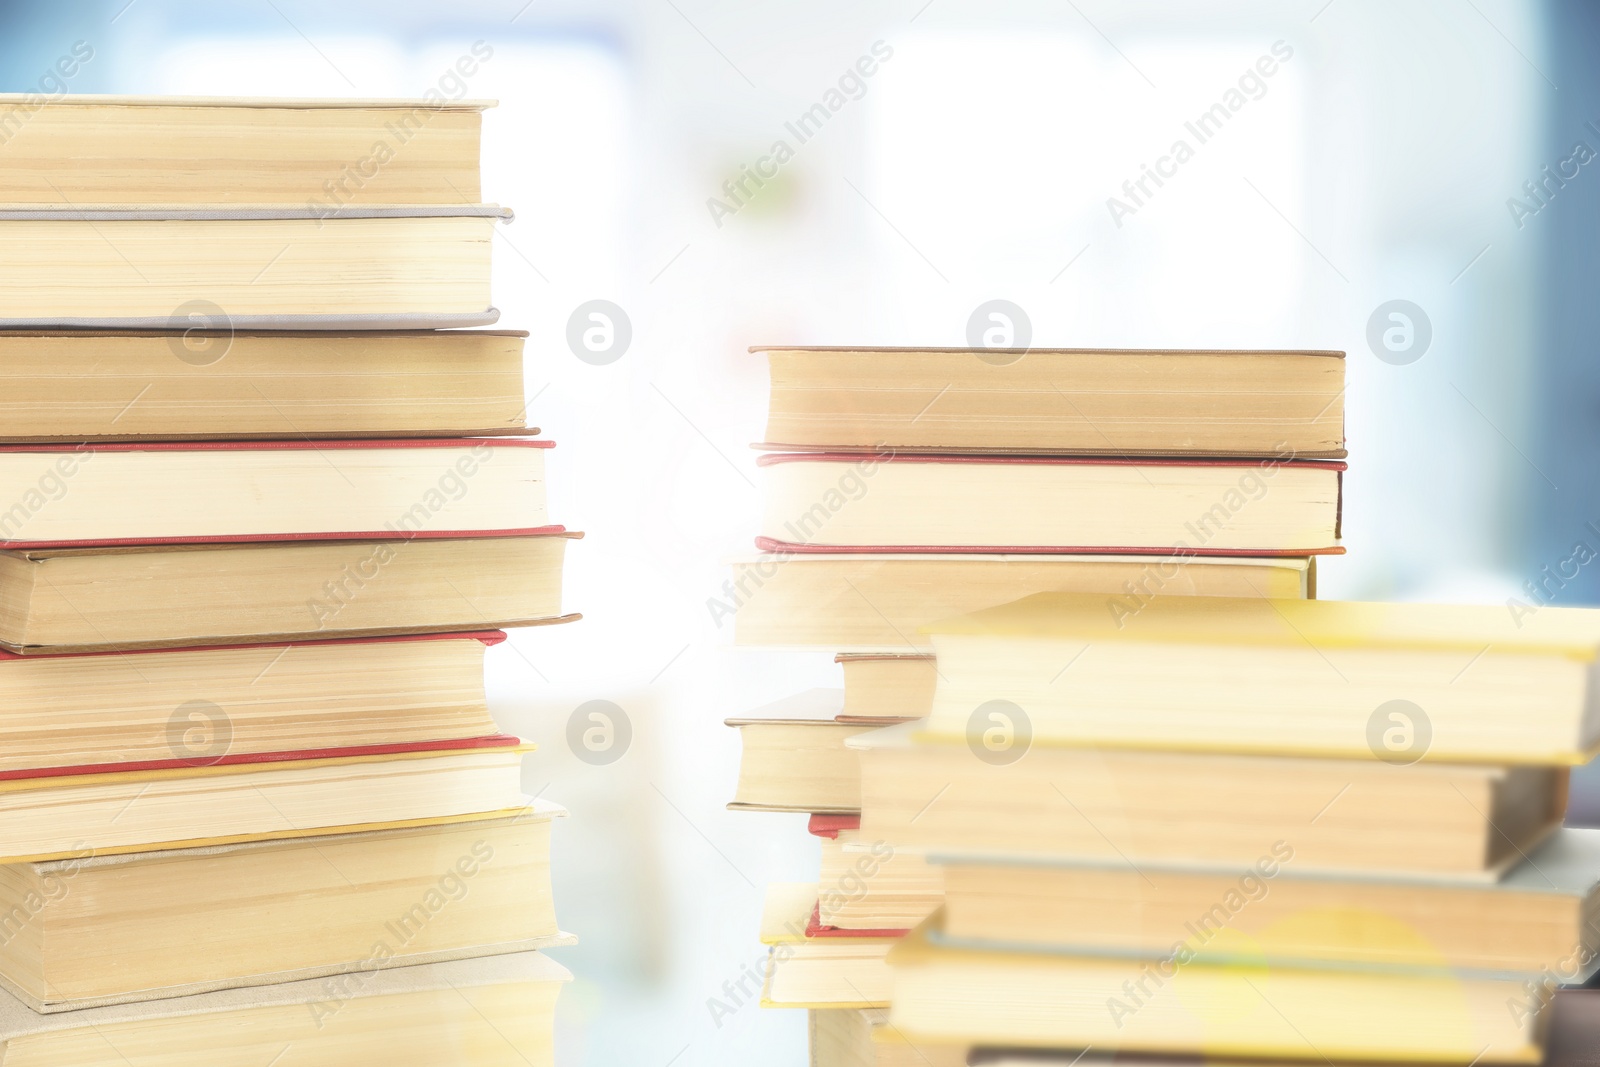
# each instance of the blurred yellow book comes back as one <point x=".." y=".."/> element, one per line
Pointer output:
<point x="1170" y="1005"/>
<point x="805" y="971"/>
<point x="1396" y="682"/>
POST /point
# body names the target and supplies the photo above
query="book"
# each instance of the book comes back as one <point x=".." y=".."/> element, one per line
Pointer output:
<point x="89" y="599"/>
<point x="868" y="884"/>
<point x="879" y="602"/>
<point x="144" y="710"/>
<point x="1168" y="1004"/>
<point x="88" y="149"/>
<point x="1539" y="918"/>
<point x="886" y="686"/>
<point x="1573" y="1041"/>
<point x="91" y="930"/>
<point x="793" y="756"/>
<point x="64" y="812"/>
<point x="862" y="1037"/>
<point x="867" y="502"/>
<point x="493" y="1011"/>
<point x="811" y="968"/>
<point x="1043" y="400"/>
<point x="1398" y="682"/>
<point x="124" y="385"/>
<point x="272" y="267"/>
<point x="206" y="491"/>
<point x="1150" y="809"/>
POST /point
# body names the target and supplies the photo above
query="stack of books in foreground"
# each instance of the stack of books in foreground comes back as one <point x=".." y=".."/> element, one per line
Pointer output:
<point x="1315" y="831"/>
<point x="904" y="487"/>
<point x="253" y="552"/>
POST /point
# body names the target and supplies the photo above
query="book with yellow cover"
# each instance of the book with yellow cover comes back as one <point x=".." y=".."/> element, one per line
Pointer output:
<point x="1396" y="682"/>
<point x="811" y="968"/>
<point x="1172" y="1004"/>
<point x="1573" y="1042"/>
<point x="1543" y="917"/>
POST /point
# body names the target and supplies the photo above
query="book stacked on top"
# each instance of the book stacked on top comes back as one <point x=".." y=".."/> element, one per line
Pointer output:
<point x="255" y="543"/>
<point x="908" y="486"/>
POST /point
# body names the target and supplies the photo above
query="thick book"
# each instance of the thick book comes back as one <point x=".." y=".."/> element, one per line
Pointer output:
<point x="177" y="707"/>
<point x="867" y="502"/>
<point x="216" y="491"/>
<point x="194" y="383"/>
<point x="56" y="600"/>
<point x="793" y="756"/>
<point x="1170" y="1004"/>
<point x="1573" y="1041"/>
<point x="273" y="911"/>
<point x="65" y="812"/>
<point x="88" y="149"/>
<point x="879" y="602"/>
<point x="499" y="1010"/>
<point x="1538" y="919"/>
<point x="812" y="968"/>
<point x="983" y="797"/>
<point x="269" y="268"/>
<point x="1392" y="682"/>
<point x="1052" y="400"/>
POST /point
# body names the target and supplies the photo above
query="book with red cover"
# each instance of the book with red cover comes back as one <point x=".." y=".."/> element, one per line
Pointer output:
<point x="824" y="502"/>
<point x="72" y="599"/>
<point x="164" y="708"/>
<point x="222" y="492"/>
<point x="814" y="928"/>
<point x="829" y="825"/>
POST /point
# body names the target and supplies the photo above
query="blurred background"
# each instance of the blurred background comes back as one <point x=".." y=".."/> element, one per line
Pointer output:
<point x="1435" y="153"/>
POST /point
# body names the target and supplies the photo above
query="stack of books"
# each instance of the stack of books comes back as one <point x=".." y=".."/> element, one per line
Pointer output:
<point x="261" y="521"/>
<point x="908" y="486"/>
<point x="1316" y="831"/>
